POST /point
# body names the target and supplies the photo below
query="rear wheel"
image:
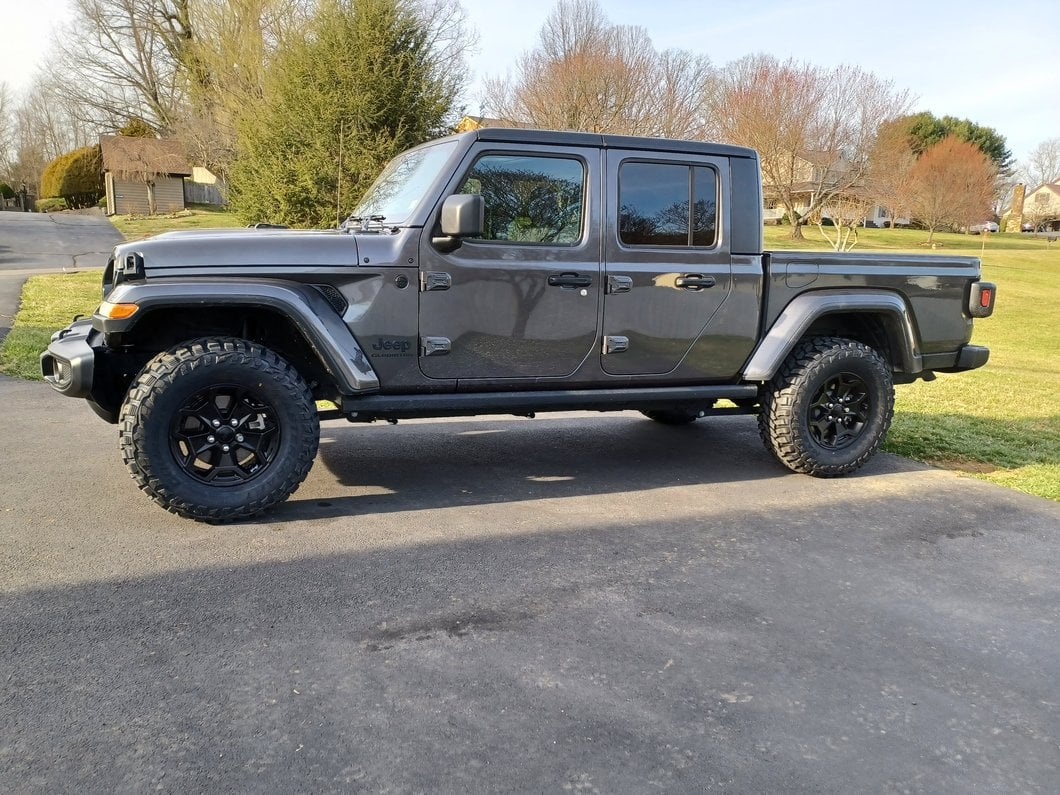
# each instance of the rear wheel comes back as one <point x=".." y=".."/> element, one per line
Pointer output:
<point x="218" y="429"/>
<point x="828" y="408"/>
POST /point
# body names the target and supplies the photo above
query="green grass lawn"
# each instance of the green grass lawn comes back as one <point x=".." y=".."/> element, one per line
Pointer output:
<point x="197" y="216"/>
<point x="1000" y="423"/>
<point x="48" y="304"/>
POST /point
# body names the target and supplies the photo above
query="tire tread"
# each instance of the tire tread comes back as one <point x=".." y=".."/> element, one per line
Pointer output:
<point x="162" y="372"/>
<point x="779" y="423"/>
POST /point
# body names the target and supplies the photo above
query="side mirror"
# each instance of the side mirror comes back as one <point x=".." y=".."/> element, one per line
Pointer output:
<point x="463" y="215"/>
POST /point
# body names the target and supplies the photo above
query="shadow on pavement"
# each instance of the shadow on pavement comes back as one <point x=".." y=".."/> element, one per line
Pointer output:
<point x="733" y="650"/>
<point x="427" y="464"/>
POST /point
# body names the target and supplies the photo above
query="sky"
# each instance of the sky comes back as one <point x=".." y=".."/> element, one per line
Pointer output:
<point x="996" y="63"/>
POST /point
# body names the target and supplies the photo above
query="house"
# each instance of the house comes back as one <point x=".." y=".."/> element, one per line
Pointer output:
<point x="143" y="176"/>
<point x="1041" y="208"/>
<point x="814" y="172"/>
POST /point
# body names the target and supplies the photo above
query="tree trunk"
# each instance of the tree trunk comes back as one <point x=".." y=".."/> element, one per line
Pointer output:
<point x="794" y="219"/>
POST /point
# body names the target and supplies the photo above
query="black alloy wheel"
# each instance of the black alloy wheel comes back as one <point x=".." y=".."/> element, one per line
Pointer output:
<point x="840" y="411"/>
<point x="225" y="435"/>
<point x="218" y="429"/>
<point x="827" y="409"/>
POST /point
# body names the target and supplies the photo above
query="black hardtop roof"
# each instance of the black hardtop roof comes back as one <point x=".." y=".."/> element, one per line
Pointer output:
<point x="606" y="141"/>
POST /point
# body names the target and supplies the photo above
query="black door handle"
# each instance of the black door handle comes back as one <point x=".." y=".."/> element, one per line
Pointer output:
<point x="569" y="280"/>
<point x="694" y="281"/>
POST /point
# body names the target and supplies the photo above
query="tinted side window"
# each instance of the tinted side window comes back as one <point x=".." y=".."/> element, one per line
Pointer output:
<point x="529" y="199"/>
<point x="704" y="206"/>
<point x="654" y="205"/>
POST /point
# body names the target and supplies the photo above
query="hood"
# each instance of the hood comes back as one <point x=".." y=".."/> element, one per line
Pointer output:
<point x="221" y="250"/>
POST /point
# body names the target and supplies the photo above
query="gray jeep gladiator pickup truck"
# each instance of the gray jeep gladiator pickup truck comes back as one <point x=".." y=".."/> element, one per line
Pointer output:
<point x="506" y="271"/>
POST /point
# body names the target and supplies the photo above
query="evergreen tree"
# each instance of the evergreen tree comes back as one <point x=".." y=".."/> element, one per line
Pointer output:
<point x="363" y="82"/>
<point x="926" y="130"/>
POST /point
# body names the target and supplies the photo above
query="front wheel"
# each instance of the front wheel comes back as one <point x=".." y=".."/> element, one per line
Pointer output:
<point x="218" y="429"/>
<point x="828" y="408"/>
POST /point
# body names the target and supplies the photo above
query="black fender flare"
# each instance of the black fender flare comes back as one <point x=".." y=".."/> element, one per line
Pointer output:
<point x="803" y="310"/>
<point x="328" y="337"/>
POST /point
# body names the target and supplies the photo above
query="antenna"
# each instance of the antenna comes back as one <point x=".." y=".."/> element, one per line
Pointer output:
<point x="338" y="183"/>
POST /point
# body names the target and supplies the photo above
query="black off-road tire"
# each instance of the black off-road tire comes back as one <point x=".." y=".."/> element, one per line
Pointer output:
<point x="218" y="429"/>
<point x="828" y="408"/>
<point x="672" y="416"/>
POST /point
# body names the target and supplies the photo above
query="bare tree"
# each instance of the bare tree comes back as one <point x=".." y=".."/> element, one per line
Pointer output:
<point x="1042" y="166"/>
<point x="42" y="128"/>
<point x="846" y="211"/>
<point x="225" y="62"/>
<point x="1042" y="210"/>
<point x="122" y="58"/>
<point x="953" y="185"/>
<point x="588" y="74"/>
<point x="7" y="127"/>
<point x="813" y="127"/>
<point x="890" y="163"/>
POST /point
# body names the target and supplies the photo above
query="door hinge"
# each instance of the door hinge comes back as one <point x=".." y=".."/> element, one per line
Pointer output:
<point x="430" y="281"/>
<point x="436" y="346"/>
<point x="613" y="344"/>
<point x="619" y="284"/>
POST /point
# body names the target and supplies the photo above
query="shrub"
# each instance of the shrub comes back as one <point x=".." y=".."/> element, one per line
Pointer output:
<point x="76" y="176"/>
<point x="50" y="205"/>
<point x="6" y="191"/>
<point x="51" y="180"/>
<point x="136" y="127"/>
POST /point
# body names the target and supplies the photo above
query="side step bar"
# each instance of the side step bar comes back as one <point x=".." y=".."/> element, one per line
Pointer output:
<point x="467" y="404"/>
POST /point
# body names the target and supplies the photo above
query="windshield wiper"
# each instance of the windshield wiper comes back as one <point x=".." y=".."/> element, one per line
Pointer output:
<point x="364" y="222"/>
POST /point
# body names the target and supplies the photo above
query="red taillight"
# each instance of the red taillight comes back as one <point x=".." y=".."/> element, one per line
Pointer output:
<point x="981" y="299"/>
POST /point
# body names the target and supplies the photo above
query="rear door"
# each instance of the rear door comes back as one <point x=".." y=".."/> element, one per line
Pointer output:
<point x="668" y="269"/>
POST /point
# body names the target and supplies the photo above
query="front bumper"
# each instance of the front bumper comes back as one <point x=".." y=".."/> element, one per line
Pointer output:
<point x="69" y="362"/>
<point x="72" y="366"/>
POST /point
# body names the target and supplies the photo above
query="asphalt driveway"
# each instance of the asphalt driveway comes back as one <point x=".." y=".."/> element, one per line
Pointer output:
<point x="577" y="604"/>
<point x="33" y="243"/>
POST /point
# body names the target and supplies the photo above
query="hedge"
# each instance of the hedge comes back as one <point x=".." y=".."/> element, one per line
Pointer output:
<point x="76" y="177"/>
<point x="50" y="205"/>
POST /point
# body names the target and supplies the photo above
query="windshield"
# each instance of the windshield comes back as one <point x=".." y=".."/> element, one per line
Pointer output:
<point x="397" y="192"/>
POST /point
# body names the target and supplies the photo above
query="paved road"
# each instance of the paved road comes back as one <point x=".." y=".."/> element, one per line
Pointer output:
<point x="587" y="603"/>
<point x="42" y="242"/>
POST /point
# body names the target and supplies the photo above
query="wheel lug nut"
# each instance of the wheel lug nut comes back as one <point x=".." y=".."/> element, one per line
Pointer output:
<point x="211" y="439"/>
<point x="235" y="423"/>
<point x="239" y="437"/>
<point x="216" y="423"/>
<point x="225" y="448"/>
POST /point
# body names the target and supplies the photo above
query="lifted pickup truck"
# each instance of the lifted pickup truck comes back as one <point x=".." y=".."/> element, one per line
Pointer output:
<point x="506" y="272"/>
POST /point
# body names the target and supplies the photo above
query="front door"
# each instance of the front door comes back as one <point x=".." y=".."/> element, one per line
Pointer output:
<point x="522" y="301"/>
<point x="668" y="267"/>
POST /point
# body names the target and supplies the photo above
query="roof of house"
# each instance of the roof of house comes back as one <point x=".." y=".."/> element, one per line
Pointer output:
<point x="468" y="123"/>
<point x="126" y="155"/>
<point x="1051" y="187"/>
